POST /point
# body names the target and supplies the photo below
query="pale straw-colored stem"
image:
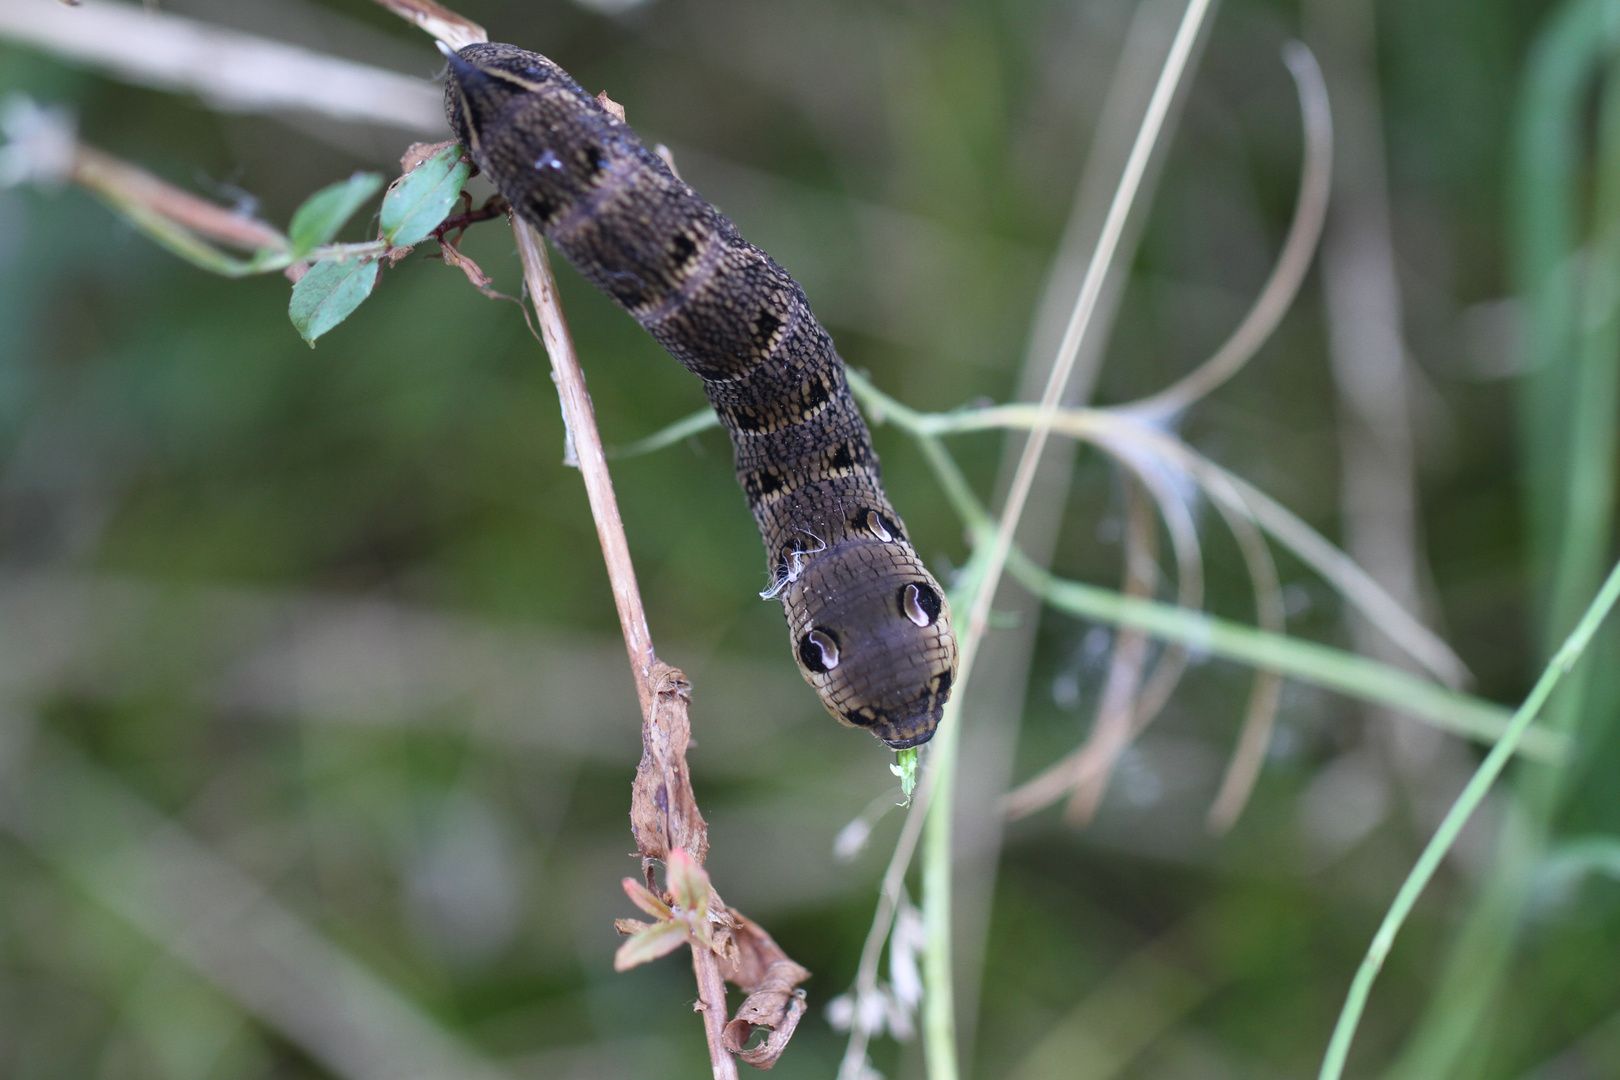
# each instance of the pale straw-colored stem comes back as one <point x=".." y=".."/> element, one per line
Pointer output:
<point x="586" y="445"/>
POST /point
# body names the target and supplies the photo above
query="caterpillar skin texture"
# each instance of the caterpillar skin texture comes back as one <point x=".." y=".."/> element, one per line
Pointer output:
<point x="870" y="626"/>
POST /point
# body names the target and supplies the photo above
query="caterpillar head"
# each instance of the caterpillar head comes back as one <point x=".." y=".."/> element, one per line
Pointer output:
<point x="872" y="634"/>
<point x="484" y="80"/>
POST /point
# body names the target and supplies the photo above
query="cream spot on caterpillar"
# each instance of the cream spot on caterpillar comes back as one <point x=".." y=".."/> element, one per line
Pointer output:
<point x="876" y="524"/>
<point x="819" y="650"/>
<point x="920" y="604"/>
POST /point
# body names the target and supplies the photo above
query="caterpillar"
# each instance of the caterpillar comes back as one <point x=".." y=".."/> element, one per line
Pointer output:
<point x="871" y="628"/>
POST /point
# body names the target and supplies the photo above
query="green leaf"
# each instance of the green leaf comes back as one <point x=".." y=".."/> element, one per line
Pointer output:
<point x="688" y="883"/>
<point x="329" y="293"/>
<point x="421" y="199"/>
<point x="323" y="213"/>
<point x="659" y="939"/>
<point x="905" y="767"/>
<point x="644" y="899"/>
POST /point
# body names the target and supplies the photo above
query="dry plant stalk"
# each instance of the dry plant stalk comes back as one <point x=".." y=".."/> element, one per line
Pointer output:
<point x="1128" y="704"/>
<point x="445" y="25"/>
<point x="664" y="816"/>
<point x="124" y="183"/>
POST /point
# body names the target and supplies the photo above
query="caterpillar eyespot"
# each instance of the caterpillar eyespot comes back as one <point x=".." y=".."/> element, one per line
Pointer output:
<point x="738" y="321"/>
<point x="876" y="524"/>
<point x="819" y="651"/>
<point x="920" y="604"/>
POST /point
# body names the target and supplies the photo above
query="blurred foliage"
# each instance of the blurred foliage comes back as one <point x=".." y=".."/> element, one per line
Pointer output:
<point x="338" y="615"/>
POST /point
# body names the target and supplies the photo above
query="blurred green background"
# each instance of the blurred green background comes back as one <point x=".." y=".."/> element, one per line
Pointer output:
<point x="317" y="734"/>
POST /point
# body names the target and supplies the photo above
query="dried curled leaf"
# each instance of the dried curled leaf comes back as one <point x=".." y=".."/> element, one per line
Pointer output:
<point x="475" y="274"/>
<point x="755" y="962"/>
<point x="663" y="811"/>
<point x="668" y="828"/>
<point x="779" y="1017"/>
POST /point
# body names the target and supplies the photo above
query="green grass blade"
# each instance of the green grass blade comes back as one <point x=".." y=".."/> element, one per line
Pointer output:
<point x="1461" y="810"/>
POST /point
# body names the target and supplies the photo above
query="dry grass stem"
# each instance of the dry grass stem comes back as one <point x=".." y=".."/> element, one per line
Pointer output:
<point x="1128" y="704"/>
<point x="231" y="71"/>
<point x="1085" y="307"/>
<point x="1310" y="211"/>
<point x="664" y="815"/>
<point x="125" y="184"/>
<point x="1115" y="724"/>
<point x="1270" y="614"/>
<point x="995" y="557"/>
<point x="853" y="1064"/>
<point x="456" y="31"/>
<point x="1047" y="411"/>
<point x="586" y="445"/>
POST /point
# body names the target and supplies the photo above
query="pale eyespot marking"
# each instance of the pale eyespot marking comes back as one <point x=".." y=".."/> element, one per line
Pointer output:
<point x="920" y="604"/>
<point x="874" y="523"/>
<point x="819" y="650"/>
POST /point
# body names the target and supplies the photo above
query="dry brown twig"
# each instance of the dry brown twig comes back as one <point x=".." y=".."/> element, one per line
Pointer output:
<point x="726" y="945"/>
<point x="664" y="816"/>
<point x="231" y="70"/>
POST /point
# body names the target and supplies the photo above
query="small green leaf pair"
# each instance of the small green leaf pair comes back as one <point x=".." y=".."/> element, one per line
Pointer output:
<point x="416" y="204"/>
<point x="687" y="921"/>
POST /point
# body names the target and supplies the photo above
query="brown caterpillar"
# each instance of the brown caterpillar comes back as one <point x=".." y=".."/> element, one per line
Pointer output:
<point x="870" y="626"/>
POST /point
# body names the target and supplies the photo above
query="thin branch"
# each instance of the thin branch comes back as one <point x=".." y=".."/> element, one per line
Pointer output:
<point x="123" y="182"/>
<point x="230" y="70"/>
<point x="586" y="445"/>
<point x="1244" y="768"/>
<point x="1461" y="810"/>
<point x="712" y="1004"/>
<point x="1332" y="669"/>
<point x="1310" y="211"/>
<point x="1115" y="726"/>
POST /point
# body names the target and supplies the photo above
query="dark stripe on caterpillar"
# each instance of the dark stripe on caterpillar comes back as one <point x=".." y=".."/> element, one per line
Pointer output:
<point x="870" y="627"/>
